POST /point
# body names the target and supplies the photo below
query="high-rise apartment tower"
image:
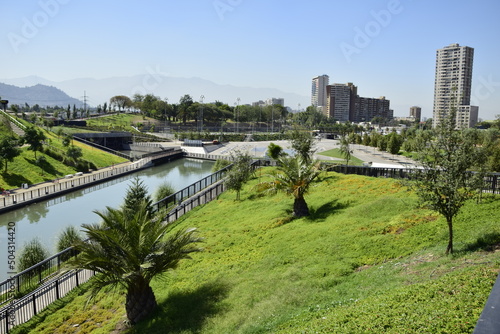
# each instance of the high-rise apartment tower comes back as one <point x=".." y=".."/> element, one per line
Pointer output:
<point x="452" y="85"/>
<point x="318" y="90"/>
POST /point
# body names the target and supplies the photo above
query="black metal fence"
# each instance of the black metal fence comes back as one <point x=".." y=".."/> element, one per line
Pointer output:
<point x="190" y="190"/>
<point x="490" y="183"/>
<point x="23" y="309"/>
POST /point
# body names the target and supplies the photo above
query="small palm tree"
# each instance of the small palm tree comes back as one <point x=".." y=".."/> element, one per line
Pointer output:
<point x="345" y="149"/>
<point x="129" y="250"/>
<point x="294" y="177"/>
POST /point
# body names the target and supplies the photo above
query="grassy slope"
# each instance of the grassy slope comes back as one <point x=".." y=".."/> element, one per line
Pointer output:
<point x="119" y="121"/>
<point x="335" y="153"/>
<point x="367" y="260"/>
<point x="25" y="170"/>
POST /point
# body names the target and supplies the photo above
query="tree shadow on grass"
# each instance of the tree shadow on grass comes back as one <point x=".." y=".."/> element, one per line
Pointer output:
<point x="186" y="311"/>
<point x="488" y="242"/>
<point x="13" y="179"/>
<point x="326" y="210"/>
<point x="45" y="166"/>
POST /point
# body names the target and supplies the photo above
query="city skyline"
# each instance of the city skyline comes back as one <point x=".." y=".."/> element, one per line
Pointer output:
<point x="386" y="47"/>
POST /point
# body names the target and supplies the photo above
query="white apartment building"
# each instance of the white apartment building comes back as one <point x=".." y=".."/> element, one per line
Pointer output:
<point x="318" y="90"/>
<point x="452" y="85"/>
<point x="272" y="101"/>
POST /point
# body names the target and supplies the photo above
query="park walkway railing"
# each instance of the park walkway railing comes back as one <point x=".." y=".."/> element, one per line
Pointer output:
<point x="490" y="181"/>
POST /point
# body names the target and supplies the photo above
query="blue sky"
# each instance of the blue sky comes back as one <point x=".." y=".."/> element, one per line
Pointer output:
<point x="385" y="47"/>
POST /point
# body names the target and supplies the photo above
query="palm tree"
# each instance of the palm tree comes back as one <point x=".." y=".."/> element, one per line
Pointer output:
<point x="345" y="148"/>
<point x="130" y="250"/>
<point x="294" y="177"/>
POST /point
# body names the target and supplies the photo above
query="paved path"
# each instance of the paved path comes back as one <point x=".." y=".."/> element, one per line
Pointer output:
<point x="258" y="150"/>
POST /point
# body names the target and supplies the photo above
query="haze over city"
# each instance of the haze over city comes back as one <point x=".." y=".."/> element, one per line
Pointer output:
<point x="386" y="48"/>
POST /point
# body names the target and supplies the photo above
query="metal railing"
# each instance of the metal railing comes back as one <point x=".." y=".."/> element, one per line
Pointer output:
<point x="74" y="181"/>
<point x="490" y="180"/>
<point x="14" y="120"/>
<point x="23" y="309"/>
<point x="190" y="190"/>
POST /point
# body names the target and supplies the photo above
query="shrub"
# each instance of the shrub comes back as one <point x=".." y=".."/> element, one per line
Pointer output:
<point x="164" y="190"/>
<point x="32" y="253"/>
<point x="219" y="164"/>
<point x="67" y="238"/>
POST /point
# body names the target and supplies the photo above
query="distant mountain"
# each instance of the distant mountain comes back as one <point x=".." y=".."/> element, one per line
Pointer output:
<point x="99" y="91"/>
<point x="42" y="95"/>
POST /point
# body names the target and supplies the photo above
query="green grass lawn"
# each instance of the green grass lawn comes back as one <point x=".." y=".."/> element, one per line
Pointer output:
<point x="119" y="121"/>
<point x="335" y="153"/>
<point x="24" y="168"/>
<point x="368" y="259"/>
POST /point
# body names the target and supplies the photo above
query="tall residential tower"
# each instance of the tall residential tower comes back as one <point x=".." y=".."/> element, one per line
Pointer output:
<point x="452" y="85"/>
<point x="318" y="91"/>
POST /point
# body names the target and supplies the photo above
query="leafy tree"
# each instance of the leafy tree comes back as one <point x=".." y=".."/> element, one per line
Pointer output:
<point x="121" y="101"/>
<point x="239" y="174"/>
<point x="366" y="139"/>
<point x="74" y="153"/>
<point x="32" y="253"/>
<point x="382" y="143"/>
<point x="302" y="143"/>
<point x="34" y="138"/>
<point x="184" y="107"/>
<point x="129" y="250"/>
<point x="15" y="109"/>
<point x="294" y="177"/>
<point x="445" y="182"/>
<point x="68" y="112"/>
<point x="394" y="143"/>
<point x="8" y="150"/>
<point x="274" y="151"/>
<point x="219" y="164"/>
<point x="345" y="148"/>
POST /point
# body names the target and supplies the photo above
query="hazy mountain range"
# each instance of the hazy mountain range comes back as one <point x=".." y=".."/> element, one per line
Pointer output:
<point x="42" y="95"/>
<point x="97" y="91"/>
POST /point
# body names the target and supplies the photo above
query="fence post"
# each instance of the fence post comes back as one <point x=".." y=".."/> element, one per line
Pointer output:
<point x="57" y="288"/>
<point x="34" y="303"/>
<point x="7" y="320"/>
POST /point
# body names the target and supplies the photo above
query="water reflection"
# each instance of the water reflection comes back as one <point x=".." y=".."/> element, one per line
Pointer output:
<point x="46" y="219"/>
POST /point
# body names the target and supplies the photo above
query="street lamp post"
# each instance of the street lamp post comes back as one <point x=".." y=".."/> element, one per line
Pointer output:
<point x="272" y="119"/>
<point x="238" y="116"/>
<point x="201" y="118"/>
<point x="166" y="106"/>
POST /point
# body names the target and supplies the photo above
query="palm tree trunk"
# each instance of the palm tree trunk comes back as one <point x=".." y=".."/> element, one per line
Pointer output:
<point x="140" y="301"/>
<point x="300" y="208"/>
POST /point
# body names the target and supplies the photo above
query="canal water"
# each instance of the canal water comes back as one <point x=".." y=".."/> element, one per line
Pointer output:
<point x="46" y="219"/>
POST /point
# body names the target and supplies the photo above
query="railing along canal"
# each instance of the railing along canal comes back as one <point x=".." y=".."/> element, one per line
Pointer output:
<point x="73" y="181"/>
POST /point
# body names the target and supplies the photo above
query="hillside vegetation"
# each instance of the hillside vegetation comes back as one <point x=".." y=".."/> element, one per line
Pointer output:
<point x="25" y="169"/>
<point x="368" y="259"/>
